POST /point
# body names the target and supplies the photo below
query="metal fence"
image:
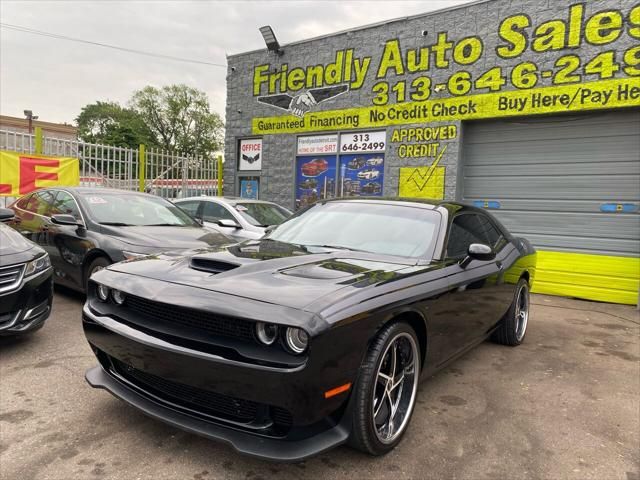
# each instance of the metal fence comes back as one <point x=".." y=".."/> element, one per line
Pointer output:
<point x="166" y="174"/>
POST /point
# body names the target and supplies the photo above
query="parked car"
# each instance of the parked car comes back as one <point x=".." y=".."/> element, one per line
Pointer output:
<point x="314" y="335"/>
<point x="26" y="281"/>
<point x="314" y="167"/>
<point x="85" y="229"/>
<point x="375" y="161"/>
<point x="371" y="187"/>
<point x="369" y="174"/>
<point x="238" y="218"/>
<point x="357" y="163"/>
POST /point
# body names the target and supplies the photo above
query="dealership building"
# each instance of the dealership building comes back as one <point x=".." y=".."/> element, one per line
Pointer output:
<point x="529" y="109"/>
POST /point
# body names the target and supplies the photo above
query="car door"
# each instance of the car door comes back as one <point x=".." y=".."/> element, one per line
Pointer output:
<point x="475" y="290"/>
<point x="506" y="255"/>
<point x="68" y="243"/>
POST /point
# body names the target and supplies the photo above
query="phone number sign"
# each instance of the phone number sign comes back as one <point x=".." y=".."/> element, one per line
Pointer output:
<point x="363" y="142"/>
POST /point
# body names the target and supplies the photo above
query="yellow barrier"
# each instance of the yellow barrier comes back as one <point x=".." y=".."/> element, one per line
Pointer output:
<point x="593" y="277"/>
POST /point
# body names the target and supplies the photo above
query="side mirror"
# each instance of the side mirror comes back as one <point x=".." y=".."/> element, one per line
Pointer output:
<point x="225" y="222"/>
<point x="6" y="214"/>
<point x="270" y="229"/>
<point x="65" y="219"/>
<point x="478" y="251"/>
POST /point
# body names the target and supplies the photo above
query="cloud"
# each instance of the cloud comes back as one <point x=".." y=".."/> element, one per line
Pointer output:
<point x="56" y="78"/>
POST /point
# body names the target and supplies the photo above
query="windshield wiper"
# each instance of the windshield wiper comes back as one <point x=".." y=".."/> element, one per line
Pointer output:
<point x="165" y="225"/>
<point x="116" y="224"/>
<point x="335" y="247"/>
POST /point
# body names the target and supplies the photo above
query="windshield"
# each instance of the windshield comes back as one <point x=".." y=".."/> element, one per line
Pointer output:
<point x="128" y="209"/>
<point x="262" y="214"/>
<point x="372" y="227"/>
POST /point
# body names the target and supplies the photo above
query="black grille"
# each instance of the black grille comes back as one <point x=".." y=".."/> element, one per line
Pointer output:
<point x="195" y="320"/>
<point x="204" y="401"/>
<point x="10" y="277"/>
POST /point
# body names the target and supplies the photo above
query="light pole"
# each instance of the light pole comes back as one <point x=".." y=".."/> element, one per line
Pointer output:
<point x="31" y="117"/>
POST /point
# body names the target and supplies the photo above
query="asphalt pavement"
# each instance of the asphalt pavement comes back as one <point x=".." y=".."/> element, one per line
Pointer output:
<point x="564" y="405"/>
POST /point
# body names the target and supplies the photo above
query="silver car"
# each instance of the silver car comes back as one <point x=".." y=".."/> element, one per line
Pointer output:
<point x="236" y="217"/>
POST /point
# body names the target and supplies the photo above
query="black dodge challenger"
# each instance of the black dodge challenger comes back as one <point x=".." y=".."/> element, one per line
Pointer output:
<point x="314" y="336"/>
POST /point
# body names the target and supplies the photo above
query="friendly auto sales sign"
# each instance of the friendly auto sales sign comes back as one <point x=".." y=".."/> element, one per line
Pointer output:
<point x="250" y="154"/>
<point x="581" y="57"/>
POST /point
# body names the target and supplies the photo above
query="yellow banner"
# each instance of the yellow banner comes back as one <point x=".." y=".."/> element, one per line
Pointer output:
<point x="21" y="173"/>
<point x="624" y="92"/>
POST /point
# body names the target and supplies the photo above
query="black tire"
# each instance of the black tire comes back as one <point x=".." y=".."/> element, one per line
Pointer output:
<point x="364" y="434"/>
<point x="512" y="330"/>
<point x="96" y="264"/>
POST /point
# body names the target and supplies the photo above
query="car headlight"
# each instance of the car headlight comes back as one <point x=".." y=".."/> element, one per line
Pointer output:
<point x="38" y="265"/>
<point x="132" y="255"/>
<point x="118" y="296"/>
<point x="103" y="292"/>
<point x="267" y="333"/>
<point x="297" y="340"/>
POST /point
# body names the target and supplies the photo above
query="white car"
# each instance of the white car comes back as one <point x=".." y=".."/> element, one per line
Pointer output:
<point x="369" y="174"/>
<point x="239" y="218"/>
<point x="375" y="161"/>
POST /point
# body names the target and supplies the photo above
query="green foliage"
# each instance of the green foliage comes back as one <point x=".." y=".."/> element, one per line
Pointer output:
<point x="180" y="118"/>
<point x="174" y="117"/>
<point x="110" y="124"/>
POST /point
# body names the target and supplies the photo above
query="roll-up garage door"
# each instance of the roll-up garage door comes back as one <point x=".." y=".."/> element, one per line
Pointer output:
<point x="571" y="185"/>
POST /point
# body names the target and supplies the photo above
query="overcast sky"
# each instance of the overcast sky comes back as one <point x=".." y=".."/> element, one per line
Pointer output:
<point x="56" y="78"/>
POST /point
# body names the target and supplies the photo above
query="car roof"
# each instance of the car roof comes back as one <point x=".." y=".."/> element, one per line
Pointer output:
<point x="94" y="190"/>
<point x="426" y="203"/>
<point x="226" y="200"/>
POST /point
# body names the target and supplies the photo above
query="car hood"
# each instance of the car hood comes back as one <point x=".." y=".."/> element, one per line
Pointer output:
<point x="14" y="248"/>
<point x="167" y="238"/>
<point x="270" y="271"/>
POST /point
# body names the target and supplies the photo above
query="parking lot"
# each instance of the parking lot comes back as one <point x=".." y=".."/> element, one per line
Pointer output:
<point x="565" y="404"/>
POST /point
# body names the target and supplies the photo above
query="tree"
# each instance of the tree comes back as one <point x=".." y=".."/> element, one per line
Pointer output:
<point x="110" y="124"/>
<point x="180" y="118"/>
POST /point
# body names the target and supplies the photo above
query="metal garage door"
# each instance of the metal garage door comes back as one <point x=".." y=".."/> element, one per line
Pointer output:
<point x="568" y="184"/>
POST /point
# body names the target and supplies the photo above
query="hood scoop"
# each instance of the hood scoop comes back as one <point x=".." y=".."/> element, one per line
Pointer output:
<point x="211" y="266"/>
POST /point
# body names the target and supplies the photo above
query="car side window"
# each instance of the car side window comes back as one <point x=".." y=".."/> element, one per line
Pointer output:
<point x="465" y="230"/>
<point x="24" y="202"/>
<point x="191" y="207"/>
<point x="212" y="212"/>
<point x="40" y="203"/>
<point x="492" y="234"/>
<point x="64" y="203"/>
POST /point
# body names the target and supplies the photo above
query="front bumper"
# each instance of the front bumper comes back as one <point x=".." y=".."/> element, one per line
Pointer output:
<point x="127" y="355"/>
<point x="25" y="309"/>
<point x="243" y="442"/>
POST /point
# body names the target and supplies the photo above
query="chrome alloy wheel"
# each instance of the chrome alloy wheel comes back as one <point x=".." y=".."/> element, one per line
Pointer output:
<point x="522" y="312"/>
<point x="395" y="387"/>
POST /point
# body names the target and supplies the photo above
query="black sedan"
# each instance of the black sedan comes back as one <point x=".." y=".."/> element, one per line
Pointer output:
<point x="315" y="335"/>
<point x="86" y="229"/>
<point x="26" y="282"/>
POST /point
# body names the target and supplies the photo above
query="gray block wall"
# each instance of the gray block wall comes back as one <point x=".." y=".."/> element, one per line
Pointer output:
<point x="482" y="18"/>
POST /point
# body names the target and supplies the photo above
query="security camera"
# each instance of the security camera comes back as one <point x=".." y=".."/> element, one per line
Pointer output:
<point x="425" y="33"/>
